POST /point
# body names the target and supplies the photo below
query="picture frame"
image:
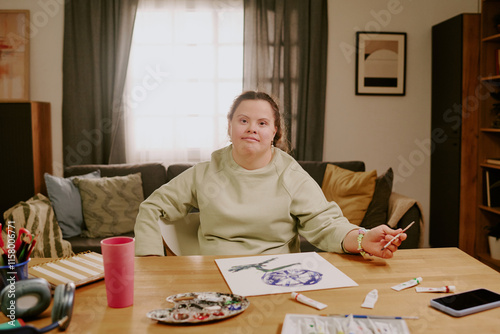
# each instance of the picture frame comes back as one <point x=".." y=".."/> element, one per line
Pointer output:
<point x="380" y="63"/>
<point x="14" y="55"/>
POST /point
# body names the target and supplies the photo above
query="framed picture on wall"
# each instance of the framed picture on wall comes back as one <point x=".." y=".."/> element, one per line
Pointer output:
<point x="14" y="55"/>
<point x="380" y="63"/>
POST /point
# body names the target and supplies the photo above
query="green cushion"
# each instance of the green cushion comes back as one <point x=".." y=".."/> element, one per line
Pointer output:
<point x="110" y="204"/>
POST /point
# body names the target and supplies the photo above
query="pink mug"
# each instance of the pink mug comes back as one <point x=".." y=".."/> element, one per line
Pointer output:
<point x="118" y="257"/>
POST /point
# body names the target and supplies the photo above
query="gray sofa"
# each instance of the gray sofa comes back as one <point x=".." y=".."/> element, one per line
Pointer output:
<point x="156" y="174"/>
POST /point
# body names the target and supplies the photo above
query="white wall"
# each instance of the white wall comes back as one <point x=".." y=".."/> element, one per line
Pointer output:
<point x="381" y="131"/>
<point x="385" y="131"/>
<point x="46" y="47"/>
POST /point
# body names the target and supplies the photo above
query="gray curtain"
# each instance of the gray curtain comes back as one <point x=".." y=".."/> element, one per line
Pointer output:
<point x="285" y="55"/>
<point x="97" y="38"/>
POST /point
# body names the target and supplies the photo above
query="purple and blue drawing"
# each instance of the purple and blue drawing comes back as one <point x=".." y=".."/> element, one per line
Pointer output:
<point x="283" y="277"/>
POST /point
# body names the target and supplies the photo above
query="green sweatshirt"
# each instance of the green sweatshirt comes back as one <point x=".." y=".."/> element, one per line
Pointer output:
<point x="244" y="212"/>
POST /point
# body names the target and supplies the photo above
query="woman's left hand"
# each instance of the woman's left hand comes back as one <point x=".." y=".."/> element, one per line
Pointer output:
<point x="376" y="238"/>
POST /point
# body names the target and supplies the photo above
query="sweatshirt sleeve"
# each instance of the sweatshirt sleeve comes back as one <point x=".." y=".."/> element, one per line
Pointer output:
<point x="319" y="221"/>
<point x="172" y="201"/>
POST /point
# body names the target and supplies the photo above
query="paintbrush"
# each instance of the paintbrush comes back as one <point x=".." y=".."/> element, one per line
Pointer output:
<point x="398" y="235"/>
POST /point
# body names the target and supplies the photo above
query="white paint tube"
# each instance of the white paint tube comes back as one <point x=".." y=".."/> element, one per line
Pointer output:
<point x="370" y="299"/>
<point x="308" y="301"/>
<point x="407" y="284"/>
<point x="447" y="288"/>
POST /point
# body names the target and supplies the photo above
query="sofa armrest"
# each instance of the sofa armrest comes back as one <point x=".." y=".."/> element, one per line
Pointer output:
<point x="402" y="211"/>
<point x="414" y="233"/>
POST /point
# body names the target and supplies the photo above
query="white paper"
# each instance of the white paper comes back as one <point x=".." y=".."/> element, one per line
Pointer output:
<point x="282" y="273"/>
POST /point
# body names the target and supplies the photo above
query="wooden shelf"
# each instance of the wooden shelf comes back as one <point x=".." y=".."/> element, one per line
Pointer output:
<point x="490" y="166"/>
<point x="495" y="79"/>
<point x="493" y="38"/>
<point x="491" y="130"/>
<point x="495" y="210"/>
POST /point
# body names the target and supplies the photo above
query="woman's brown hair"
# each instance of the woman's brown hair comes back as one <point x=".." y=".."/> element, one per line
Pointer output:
<point x="280" y="139"/>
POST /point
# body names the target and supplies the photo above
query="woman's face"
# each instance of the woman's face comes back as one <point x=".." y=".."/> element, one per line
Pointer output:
<point x="252" y="127"/>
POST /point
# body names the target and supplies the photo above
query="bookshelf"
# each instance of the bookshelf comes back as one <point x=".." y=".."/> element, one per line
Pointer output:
<point x="488" y="95"/>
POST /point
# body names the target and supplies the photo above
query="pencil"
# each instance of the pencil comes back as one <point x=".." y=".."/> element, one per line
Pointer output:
<point x="397" y="235"/>
<point x="32" y="245"/>
<point x="357" y="316"/>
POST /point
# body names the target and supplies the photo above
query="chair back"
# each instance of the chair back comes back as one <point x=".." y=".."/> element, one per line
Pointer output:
<point x="181" y="237"/>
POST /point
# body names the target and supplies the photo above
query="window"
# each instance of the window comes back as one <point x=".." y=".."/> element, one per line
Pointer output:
<point x="185" y="69"/>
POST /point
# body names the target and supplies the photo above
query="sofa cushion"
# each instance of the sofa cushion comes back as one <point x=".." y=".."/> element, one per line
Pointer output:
<point x="153" y="174"/>
<point x="352" y="191"/>
<point x="317" y="168"/>
<point x="37" y="216"/>
<point x="377" y="211"/>
<point x="67" y="203"/>
<point x="110" y="204"/>
<point x="176" y="169"/>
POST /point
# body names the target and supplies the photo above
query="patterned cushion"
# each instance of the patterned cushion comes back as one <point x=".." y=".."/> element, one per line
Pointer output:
<point x="37" y="216"/>
<point x="110" y="204"/>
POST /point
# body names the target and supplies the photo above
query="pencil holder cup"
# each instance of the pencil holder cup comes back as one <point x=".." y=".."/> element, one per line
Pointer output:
<point x="11" y="274"/>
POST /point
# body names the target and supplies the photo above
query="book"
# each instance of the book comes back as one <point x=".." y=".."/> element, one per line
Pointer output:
<point x="488" y="195"/>
<point x="492" y="188"/>
<point x="80" y="269"/>
<point x="497" y="61"/>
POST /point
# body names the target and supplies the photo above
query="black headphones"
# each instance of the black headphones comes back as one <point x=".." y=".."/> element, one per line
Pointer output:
<point x="28" y="298"/>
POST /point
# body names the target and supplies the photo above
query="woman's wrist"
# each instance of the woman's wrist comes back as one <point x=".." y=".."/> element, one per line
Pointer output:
<point x="350" y="242"/>
<point x="359" y="239"/>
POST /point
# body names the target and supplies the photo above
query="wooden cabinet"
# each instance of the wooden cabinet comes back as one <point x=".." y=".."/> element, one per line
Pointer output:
<point x="25" y="150"/>
<point x="489" y="128"/>
<point x="455" y="72"/>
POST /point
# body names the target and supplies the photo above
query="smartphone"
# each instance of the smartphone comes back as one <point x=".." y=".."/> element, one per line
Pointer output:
<point x="468" y="302"/>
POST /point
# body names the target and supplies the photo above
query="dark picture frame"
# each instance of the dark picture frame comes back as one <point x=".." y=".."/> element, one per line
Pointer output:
<point x="380" y="63"/>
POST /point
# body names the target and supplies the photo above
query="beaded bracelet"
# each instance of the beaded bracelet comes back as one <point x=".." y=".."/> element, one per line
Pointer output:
<point x="361" y="235"/>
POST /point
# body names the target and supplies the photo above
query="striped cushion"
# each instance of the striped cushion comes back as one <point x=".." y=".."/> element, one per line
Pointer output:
<point x="37" y="216"/>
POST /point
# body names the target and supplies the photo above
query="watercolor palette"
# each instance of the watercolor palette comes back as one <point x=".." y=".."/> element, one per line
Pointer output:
<point x="199" y="307"/>
<point x="316" y="324"/>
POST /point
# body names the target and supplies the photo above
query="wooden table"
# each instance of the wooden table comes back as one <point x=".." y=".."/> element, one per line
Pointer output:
<point x="156" y="278"/>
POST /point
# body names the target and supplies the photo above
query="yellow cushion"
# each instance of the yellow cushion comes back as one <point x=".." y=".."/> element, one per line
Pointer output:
<point x="352" y="191"/>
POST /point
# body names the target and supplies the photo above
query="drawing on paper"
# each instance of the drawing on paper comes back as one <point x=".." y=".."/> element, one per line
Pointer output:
<point x="281" y="273"/>
<point x="280" y="276"/>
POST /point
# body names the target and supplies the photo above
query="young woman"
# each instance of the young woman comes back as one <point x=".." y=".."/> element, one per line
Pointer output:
<point x="254" y="198"/>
